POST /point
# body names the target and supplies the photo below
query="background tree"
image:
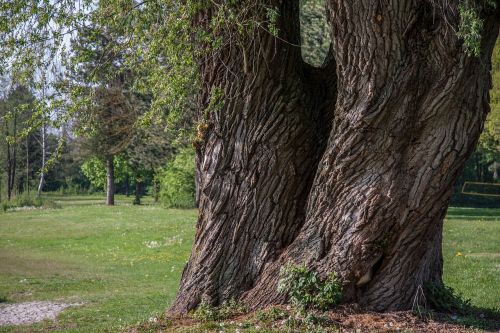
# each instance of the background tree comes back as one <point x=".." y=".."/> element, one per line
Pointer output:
<point x="148" y="152"/>
<point x="177" y="184"/>
<point x="95" y="170"/>
<point x="109" y="116"/>
<point x="18" y="146"/>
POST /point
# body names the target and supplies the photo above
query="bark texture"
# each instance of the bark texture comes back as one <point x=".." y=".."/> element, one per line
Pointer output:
<point x="369" y="205"/>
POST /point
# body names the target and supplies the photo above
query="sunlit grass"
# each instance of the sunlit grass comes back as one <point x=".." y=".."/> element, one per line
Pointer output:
<point x="124" y="262"/>
<point x="97" y="255"/>
<point x="471" y="250"/>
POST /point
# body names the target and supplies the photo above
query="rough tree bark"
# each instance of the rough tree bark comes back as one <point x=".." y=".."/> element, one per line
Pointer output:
<point x="369" y="204"/>
<point x="110" y="181"/>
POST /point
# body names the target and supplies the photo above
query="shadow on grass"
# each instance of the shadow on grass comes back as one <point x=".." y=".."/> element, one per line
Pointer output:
<point x="474" y="317"/>
<point x="452" y="308"/>
<point x="486" y="214"/>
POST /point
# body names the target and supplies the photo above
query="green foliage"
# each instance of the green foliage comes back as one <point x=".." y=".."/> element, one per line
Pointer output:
<point x="493" y="121"/>
<point x="177" y="186"/>
<point x="26" y="199"/>
<point x="207" y="313"/>
<point x="272" y="19"/>
<point x="271" y="315"/>
<point x="95" y="171"/>
<point x="471" y="24"/>
<point x="470" y="27"/>
<point x="315" y="37"/>
<point x="306" y="290"/>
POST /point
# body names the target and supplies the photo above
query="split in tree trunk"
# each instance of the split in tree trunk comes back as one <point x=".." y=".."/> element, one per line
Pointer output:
<point x="358" y="184"/>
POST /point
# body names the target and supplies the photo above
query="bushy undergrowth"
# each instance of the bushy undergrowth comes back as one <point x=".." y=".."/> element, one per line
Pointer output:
<point x="28" y="200"/>
<point x="306" y="290"/>
<point x="206" y="312"/>
<point x="177" y="186"/>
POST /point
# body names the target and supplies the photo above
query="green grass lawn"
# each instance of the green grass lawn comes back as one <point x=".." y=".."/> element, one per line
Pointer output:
<point x="471" y="250"/>
<point x="124" y="262"/>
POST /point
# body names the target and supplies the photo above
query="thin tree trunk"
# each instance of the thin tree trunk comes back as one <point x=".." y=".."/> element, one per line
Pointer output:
<point x="370" y="206"/>
<point x="27" y="185"/>
<point x="137" y="192"/>
<point x="9" y="171"/>
<point x="44" y="160"/>
<point x="156" y="186"/>
<point x="11" y="159"/>
<point x="110" y="181"/>
<point x="127" y="186"/>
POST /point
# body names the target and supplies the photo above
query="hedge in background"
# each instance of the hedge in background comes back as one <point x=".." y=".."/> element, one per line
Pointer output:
<point x="177" y="187"/>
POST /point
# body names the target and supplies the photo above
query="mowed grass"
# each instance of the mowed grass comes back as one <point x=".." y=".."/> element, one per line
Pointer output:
<point x="471" y="251"/>
<point x="124" y="262"/>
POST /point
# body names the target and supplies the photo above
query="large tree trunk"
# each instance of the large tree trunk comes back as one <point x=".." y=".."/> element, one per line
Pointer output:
<point x="256" y="163"/>
<point x="410" y="107"/>
<point x="110" y="181"/>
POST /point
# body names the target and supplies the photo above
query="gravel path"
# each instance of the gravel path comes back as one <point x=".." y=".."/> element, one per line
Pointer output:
<point x="31" y="312"/>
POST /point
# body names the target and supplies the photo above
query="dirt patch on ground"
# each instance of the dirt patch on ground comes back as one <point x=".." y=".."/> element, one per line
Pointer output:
<point x="31" y="312"/>
<point x="401" y="322"/>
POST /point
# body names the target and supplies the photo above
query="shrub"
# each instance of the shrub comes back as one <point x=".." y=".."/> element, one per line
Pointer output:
<point x="5" y="206"/>
<point x="26" y="199"/>
<point x="306" y="290"/>
<point x="206" y="312"/>
<point x="29" y="200"/>
<point x="177" y="187"/>
<point x="271" y="315"/>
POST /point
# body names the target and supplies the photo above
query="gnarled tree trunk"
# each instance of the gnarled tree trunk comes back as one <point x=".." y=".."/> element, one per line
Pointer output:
<point x="370" y="203"/>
